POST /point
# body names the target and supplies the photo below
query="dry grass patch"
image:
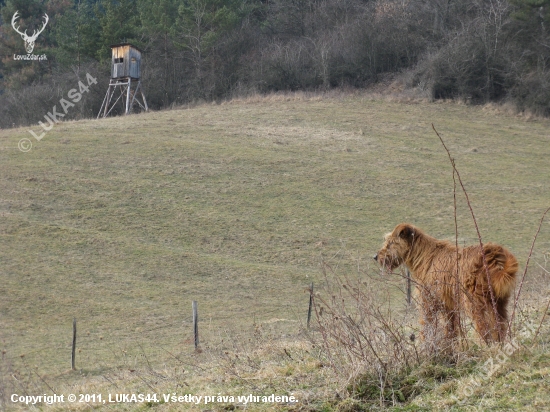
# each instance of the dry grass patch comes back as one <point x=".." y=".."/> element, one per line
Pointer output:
<point x="122" y="222"/>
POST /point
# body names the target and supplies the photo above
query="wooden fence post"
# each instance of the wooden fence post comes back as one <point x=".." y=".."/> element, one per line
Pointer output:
<point x="74" y="345"/>
<point x="310" y="304"/>
<point x="196" y="324"/>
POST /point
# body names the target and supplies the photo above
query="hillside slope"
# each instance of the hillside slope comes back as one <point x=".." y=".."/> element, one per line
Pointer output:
<point x="121" y="223"/>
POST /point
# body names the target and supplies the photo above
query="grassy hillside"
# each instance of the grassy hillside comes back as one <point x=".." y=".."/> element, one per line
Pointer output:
<point x="121" y="223"/>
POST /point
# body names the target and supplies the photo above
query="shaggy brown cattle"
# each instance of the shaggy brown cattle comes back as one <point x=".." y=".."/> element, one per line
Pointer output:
<point x="433" y="264"/>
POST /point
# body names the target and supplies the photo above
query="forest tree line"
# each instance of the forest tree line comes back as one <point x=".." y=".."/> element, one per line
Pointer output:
<point x="204" y="50"/>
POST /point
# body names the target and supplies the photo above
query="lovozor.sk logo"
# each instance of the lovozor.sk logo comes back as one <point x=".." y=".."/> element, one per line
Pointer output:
<point x="29" y="40"/>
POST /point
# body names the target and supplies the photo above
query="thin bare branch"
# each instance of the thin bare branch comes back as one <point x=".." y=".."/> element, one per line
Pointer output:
<point x="491" y="292"/>
<point x="525" y="270"/>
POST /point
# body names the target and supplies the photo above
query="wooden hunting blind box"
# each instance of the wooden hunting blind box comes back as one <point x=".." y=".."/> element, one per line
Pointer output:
<point x="125" y="76"/>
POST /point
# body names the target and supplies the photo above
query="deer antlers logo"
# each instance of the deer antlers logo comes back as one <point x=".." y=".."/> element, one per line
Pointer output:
<point x="29" y="40"/>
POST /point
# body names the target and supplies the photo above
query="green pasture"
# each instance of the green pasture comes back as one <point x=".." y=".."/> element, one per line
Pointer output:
<point x="121" y="223"/>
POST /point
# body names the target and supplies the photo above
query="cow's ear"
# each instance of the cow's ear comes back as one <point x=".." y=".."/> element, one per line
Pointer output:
<point x="407" y="232"/>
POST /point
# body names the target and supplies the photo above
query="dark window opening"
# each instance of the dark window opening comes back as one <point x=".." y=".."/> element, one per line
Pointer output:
<point x="119" y="60"/>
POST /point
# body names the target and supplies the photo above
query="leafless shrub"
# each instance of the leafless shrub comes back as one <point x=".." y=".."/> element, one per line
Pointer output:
<point x="531" y="92"/>
<point x="370" y="345"/>
<point x="28" y="105"/>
